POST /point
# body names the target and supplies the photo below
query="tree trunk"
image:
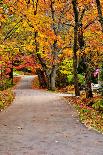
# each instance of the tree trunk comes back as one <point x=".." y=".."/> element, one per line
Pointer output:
<point x="1" y="83"/>
<point x="54" y="49"/>
<point x="41" y="77"/>
<point x="49" y="82"/>
<point x="75" y="48"/>
<point x="53" y="76"/>
<point x="40" y="73"/>
<point x="99" y="8"/>
<point x="44" y="76"/>
<point x="11" y="75"/>
<point x="52" y="79"/>
<point x="86" y="62"/>
<point x="88" y="88"/>
<point x="76" y="86"/>
<point x="11" y="72"/>
<point x="88" y="85"/>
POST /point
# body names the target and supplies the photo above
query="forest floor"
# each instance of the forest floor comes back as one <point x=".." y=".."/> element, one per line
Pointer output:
<point x="43" y="123"/>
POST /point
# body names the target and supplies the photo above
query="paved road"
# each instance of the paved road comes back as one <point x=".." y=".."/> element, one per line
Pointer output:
<point x="42" y="123"/>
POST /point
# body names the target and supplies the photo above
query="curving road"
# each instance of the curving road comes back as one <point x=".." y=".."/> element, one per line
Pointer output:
<point x="42" y="123"/>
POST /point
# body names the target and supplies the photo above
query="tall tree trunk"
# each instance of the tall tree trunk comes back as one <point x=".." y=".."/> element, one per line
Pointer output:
<point x="75" y="48"/>
<point x="86" y="63"/>
<point x="41" y="77"/>
<point x="100" y="15"/>
<point x="11" y="71"/>
<point x="40" y="73"/>
<point x="51" y="78"/>
<point x="1" y="83"/>
<point x="76" y="86"/>
<point x="11" y="75"/>
<point x="88" y="88"/>
<point x="54" y="50"/>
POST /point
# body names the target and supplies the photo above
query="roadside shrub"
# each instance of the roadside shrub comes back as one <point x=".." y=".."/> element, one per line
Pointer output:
<point x="61" y="80"/>
<point x="71" y="80"/>
<point x="5" y="84"/>
<point x="98" y="105"/>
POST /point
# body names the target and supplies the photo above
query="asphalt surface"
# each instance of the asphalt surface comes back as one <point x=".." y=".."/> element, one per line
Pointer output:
<point x="43" y="123"/>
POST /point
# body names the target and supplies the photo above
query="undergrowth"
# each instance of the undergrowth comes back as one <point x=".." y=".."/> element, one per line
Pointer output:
<point x="6" y="97"/>
<point x="90" y="111"/>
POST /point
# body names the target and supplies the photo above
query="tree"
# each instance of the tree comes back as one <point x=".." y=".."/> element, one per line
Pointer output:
<point x="46" y="29"/>
<point x="100" y="15"/>
<point x="75" y="47"/>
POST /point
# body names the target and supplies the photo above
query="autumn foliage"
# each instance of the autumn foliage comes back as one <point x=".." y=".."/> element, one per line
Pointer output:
<point x="41" y="34"/>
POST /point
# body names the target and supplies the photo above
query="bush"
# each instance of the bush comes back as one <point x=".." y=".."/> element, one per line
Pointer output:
<point x="80" y="77"/>
<point x="5" y="84"/>
<point x="70" y="79"/>
<point x="98" y="105"/>
<point x="61" y="80"/>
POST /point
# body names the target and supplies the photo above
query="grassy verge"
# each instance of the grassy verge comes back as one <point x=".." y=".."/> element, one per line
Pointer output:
<point x="90" y="116"/>
<point x="6" y="98"/>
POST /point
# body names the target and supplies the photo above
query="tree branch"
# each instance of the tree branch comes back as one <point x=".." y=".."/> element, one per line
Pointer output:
<point x="8" y="33"/>
<point x="76" y="13"/>
<point x="90" y="23"/>
<point x="82" y="15"/>
<point x="100" y="15"/>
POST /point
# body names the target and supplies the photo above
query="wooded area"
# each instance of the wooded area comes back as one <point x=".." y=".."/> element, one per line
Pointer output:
<point x="55" y="39"/>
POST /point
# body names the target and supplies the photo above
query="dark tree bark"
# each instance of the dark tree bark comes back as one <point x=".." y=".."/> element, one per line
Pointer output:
<point x="11" y="72"/>
<point x="40" y="73"/>
<point x="100" y="15"/>
<point x="88" y="88"/>
<point x="86" y="63"/>
<point x="11" y="75"/>
<point x="41" y="77"/>
<point x="75" y="48"/>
